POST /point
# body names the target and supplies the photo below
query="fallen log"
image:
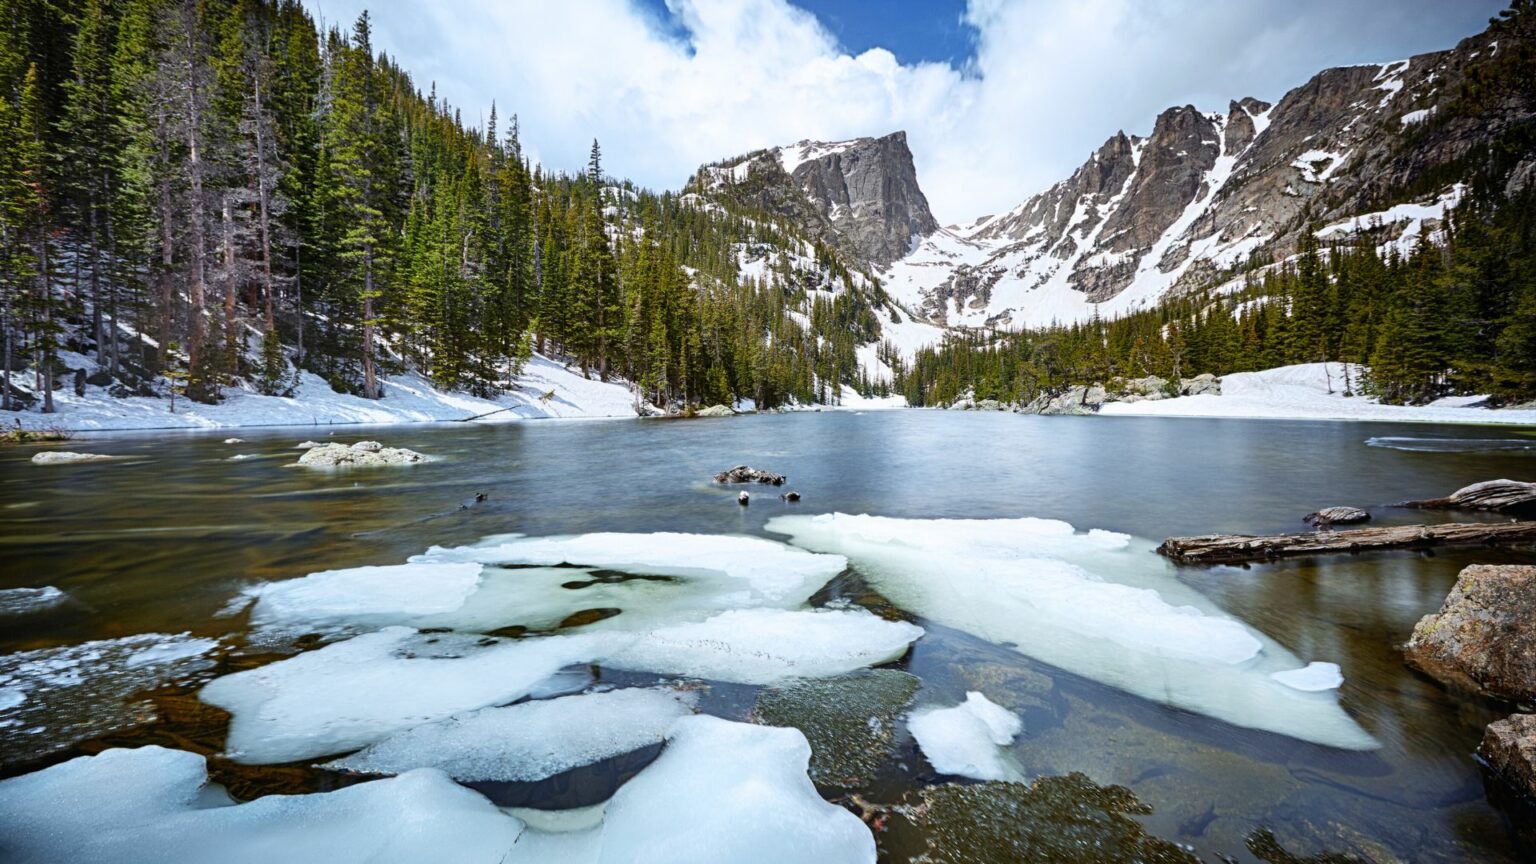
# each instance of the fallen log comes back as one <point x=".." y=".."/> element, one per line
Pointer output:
<point x="1242" y="548"/>
<point x="1487" y="495"/>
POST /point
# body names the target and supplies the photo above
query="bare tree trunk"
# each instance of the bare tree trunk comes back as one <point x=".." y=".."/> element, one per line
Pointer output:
<point x="199" y="286"/>
<point x="46" y="346"/>
<point x="231" y="332"/>
<point x="95" y="240"/>
<point x="370" y="381"/>
<point x="262" y="213"/>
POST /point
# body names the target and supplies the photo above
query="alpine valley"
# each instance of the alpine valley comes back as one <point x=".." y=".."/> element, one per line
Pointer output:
<point x="1376" y="217"/>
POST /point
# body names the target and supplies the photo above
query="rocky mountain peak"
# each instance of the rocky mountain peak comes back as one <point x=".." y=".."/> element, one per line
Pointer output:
<point x="861" y="196"/>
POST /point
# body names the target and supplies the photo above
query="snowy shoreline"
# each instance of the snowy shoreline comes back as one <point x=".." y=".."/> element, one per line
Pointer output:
<point x="1302" y="392"/>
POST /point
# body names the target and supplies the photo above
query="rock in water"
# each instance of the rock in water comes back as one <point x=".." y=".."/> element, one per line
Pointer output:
<point x="1483" y="639"/>
<point x="1510" y="748"/>
<point x="743" y="499"/>
<point x="361" y="454"/>
<point x="747" y="474"/>
<point x="64" y="457"/>
<point x="715" y="411"/>
<point x="1336" y="516"/>
<point x="791" y="496"/>
<point x="234" y="441"/>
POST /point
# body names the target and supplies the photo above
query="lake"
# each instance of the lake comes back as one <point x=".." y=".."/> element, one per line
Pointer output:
<point x="161" y="542"/>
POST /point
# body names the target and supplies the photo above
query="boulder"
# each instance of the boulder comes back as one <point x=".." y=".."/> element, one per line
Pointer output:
<point x="1336" y="516"/>
<point x="1483" y="639"/>
<point x="361" y="454"/>
<point x="1200" y="385"/>
<point x="64" y="457"/>
<point x="747" y="474"/>
<point x="1137" y="389"/>
<point x="744" y="498"/>
<point x="308" y="445"/>
<point x="234" y="441"/>
<point x="790" y="496"/>
<point x="1509" y="748"/>
<point x="714" y="411"/>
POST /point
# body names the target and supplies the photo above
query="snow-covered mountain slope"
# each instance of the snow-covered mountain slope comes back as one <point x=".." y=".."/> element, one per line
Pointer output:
<point x="1206" y="191"/>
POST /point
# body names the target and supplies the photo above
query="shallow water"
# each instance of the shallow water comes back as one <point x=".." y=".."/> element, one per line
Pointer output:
<point x="162" y="541"/>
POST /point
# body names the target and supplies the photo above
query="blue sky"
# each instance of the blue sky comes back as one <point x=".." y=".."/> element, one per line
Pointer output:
<point x="1000" y="98"/>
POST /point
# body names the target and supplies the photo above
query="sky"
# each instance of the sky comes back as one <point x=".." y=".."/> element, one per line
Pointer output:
<point x="999" y="98"/>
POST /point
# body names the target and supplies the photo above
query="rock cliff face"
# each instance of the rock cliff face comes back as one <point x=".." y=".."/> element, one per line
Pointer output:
<point x="1364" y="147"/>
<point x="859" y="196"/>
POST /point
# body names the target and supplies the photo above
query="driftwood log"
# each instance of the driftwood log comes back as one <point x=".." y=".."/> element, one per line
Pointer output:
<point x="1241" y="548"/>
<point x="1488" y="495"/>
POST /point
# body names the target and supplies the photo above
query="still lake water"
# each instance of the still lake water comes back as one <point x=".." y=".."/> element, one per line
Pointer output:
<point x="161" y="542"/>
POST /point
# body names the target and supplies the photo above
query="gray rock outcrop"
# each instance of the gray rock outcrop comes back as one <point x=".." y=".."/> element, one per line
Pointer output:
<point x="748" y="474"/>
<point x="860" y="196"/>
<point x="1336" y="516"/>
<point x="1509" y="748"/>
<point x="1483" y="639"/>
<point x="64" y="457"/>
<point x="363" y="454"/>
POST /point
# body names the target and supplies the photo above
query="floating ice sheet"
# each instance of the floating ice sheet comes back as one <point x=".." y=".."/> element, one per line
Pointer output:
<point x="353" y="693"/>
<point x="530" y="740"/>
<point x="1315" y="677"/>
<point x="764" y="646"/>
<point x="967" y="739"/>
<point x="1098" y="604"/>
<point x="152" y="804"/>
<point x="743" y="571"/>
<point x="540" y="582"/>
<point x="53" y="697"/>
<point x="724" y="791"/>
<point x="1453" y="445"/>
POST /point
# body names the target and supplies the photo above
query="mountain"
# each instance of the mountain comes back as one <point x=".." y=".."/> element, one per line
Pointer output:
<point x="1209" y="193"/>
<point x="861" y="196"/>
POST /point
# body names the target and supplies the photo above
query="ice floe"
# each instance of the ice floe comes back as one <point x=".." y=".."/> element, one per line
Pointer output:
<point x="154" y="804"/>
<point x="744" y="571"/>
<point x="1453" y="445"/>
<point x="720" y="791"/>
<point x="765" y="646"/>
<point x="52" y="697"/>
<point x="724" y="791"/>
<point x="530" y="740"/>
<point x="1314" y="677"/>
<point x="350" y="694"/>
<point x="16" y="601"/>
<point x="967" y="739"/>
<point x="540" y="582"/>
<point x="1098" y="605"/>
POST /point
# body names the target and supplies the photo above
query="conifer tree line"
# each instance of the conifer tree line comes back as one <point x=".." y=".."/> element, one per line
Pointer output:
<point x="1451" y="315"/>
<point x="198" y="194"/>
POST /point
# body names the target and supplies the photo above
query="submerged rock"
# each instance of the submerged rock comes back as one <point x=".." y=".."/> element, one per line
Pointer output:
<point x="307" y="445"/>
<point x="1509" y="746"/>
<point x="851" y="721"/>
<point x="1066" y="818"/>
<point x="361" y="454"/>
<point x="234" y="441"/>
<point x="64" y="457"/>
<point x="1336" y="516"/>
<point x="715" y="411"/>
<point x="748" y="474"/>
<point x="1483" y="639"/>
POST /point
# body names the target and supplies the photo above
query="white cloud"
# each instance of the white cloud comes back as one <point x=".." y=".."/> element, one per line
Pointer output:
<point x="1050" y="81"/>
